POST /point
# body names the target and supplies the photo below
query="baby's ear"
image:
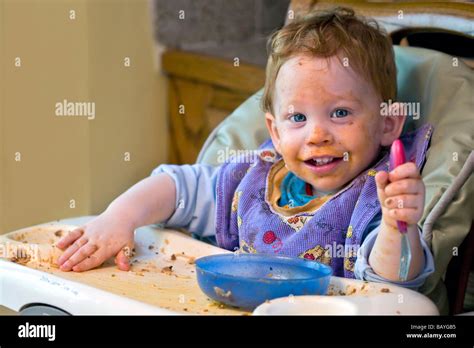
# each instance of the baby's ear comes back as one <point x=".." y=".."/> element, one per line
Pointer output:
<point x="270" y="122"/>
<point x="393" y="121"/>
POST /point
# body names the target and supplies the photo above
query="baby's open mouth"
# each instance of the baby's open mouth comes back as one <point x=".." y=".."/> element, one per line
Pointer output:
<point x="323" y="165"/>
<point x="321" y="161"/>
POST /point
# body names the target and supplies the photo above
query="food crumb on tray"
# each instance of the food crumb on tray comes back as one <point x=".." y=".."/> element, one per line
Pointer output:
<point x="352" y="290"/>
<point x="191" y="259"/>
<point x="167" y="270"/>
<point x="213" y="303"/>
<point x="22" y="260"/>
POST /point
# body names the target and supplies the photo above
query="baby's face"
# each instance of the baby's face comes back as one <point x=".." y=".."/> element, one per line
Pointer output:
<point x="325" y="112"/>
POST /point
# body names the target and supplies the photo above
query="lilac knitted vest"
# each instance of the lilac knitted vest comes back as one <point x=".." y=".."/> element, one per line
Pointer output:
<point x="332" y="234"/>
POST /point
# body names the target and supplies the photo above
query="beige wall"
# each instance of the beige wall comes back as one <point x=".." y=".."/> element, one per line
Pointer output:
<point x="81" y="60"/>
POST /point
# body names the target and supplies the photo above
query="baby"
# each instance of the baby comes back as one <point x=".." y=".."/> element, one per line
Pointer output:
<point x="318" y="189"/>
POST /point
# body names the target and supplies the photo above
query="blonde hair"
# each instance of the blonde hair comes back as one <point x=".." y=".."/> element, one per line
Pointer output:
<point x="338" y="32"/>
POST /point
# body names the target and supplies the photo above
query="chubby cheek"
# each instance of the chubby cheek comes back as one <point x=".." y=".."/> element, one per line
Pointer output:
<point x="363" y="143"/>
<point x="288" y="153"/>
<point x="288" y="145"/>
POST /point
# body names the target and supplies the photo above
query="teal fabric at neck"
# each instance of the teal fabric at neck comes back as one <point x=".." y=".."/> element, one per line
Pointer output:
<point x="293" y="192"/>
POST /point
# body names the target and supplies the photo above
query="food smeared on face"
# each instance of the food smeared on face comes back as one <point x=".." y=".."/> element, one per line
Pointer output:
<point x="326" y="124"/>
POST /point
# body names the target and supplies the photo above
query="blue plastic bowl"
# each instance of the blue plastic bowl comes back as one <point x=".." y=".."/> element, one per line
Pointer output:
<point x="248" y="280"/>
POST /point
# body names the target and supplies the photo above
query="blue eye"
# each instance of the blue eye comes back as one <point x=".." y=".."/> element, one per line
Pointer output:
<point x="340" y="113"/>
<point x="298" y="118"/>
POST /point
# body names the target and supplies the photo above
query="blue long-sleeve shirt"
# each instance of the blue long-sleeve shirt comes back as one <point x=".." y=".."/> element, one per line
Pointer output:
<point x="195" y="210"/>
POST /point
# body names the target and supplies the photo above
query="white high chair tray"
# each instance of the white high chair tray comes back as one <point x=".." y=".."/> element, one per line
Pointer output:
<point x="162" y="280"/>
<point x="357" y="298"/>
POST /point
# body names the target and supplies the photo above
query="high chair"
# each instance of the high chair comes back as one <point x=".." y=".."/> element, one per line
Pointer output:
<point x="444" y="86"/>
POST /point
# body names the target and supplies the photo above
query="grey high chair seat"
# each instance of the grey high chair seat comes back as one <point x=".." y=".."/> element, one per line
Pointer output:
<point x="444" y="87"/>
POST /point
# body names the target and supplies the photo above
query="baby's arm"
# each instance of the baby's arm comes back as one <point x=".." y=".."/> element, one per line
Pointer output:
<point x="402" y="195"/>
<point x="149" y="201"/>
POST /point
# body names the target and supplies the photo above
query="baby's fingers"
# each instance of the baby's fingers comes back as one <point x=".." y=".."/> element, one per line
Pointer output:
<point x="403" y="187"/>
<point x="92" y="261"/>
<point x="404" y="171"/>
<point x="403" y="201"/>
<point x="79" y="256"/>
<point x="410" y="215"/>
<point x="70" y="238"/>
<point x="122" y="260"/>
<point x="72" y="250"/>
<point x="381" y="180"/>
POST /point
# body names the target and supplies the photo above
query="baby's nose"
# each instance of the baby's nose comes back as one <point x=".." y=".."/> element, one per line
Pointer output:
<point x="319" y="135"/>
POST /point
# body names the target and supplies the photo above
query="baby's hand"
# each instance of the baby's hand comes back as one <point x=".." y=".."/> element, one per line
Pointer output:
<point x="91" y="245"/>
<point x="401" y="194"/>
